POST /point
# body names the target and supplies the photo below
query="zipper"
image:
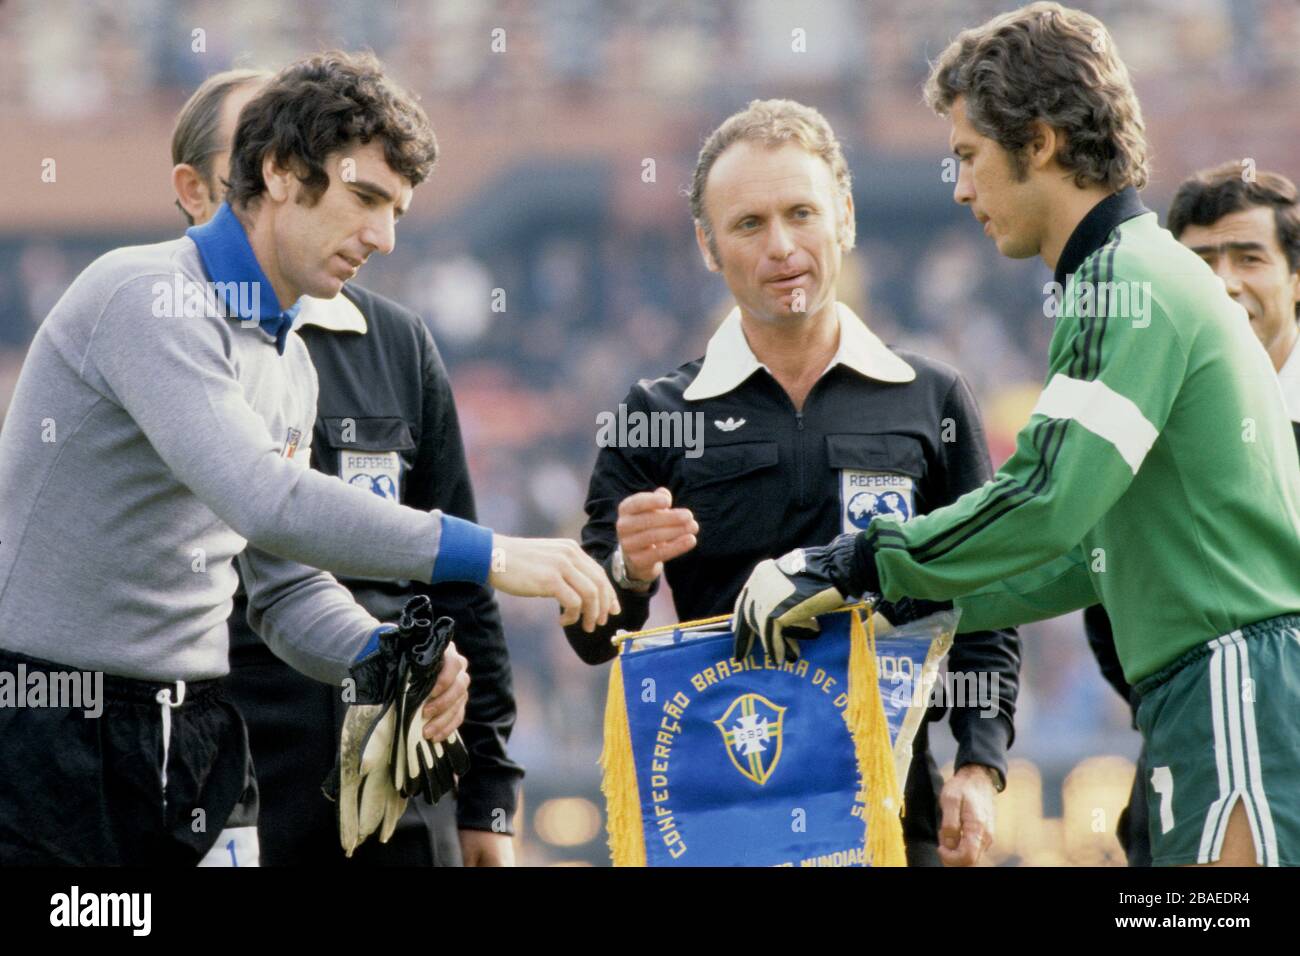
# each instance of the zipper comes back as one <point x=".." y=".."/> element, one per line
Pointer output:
<point x="799" y="456"/>
<point x="801" y="496"/>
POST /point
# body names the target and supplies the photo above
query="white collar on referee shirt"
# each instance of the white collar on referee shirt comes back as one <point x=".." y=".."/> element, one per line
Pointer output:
<point x="1289" y="376"/>
<point x="338" y="314"/>
<point x="729" y="360"/>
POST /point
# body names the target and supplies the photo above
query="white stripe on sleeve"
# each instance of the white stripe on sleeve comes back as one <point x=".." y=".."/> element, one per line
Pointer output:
<point x="1103" y="411"/>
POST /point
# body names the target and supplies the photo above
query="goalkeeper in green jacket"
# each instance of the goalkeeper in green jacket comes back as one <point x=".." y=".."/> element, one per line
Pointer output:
<point x="1156" y="474"/>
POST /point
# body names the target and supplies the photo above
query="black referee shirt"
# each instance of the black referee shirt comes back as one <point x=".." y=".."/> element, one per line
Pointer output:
<point x="386" y="421"/>
<point x="882" y="432"/>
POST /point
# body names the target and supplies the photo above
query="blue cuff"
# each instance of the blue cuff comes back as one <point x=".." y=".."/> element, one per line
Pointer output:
<point x="464" y="552"/>
<point x="372" y="645"/>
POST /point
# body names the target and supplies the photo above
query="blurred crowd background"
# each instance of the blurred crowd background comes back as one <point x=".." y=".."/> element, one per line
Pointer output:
<point x="568" y="131"/>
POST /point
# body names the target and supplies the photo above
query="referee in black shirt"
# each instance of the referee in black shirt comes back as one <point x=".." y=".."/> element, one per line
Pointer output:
<point x="386" y="421"/>
<point x="797" y="425"/>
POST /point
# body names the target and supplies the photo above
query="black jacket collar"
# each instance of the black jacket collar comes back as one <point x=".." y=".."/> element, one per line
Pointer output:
<point x="1091" y="232"/>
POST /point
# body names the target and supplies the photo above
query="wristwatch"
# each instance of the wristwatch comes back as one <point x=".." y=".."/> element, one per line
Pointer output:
<point x="999" y="781"/>
<point x="618" y="572"/>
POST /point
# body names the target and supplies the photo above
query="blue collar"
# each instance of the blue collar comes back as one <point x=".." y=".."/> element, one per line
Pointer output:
<point x="228" y="259"/>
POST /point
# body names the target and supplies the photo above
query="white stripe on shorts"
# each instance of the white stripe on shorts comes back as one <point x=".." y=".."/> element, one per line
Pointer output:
<point x="1232" y="695"/>
<point x="1236" y="754"/>
<point x="1211" y="827"/>
<point x="1265" y="849"/>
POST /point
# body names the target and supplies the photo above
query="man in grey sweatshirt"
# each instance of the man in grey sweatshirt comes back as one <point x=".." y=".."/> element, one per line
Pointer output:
<point x="383" y="383"/>
<point x="159" y="431"/>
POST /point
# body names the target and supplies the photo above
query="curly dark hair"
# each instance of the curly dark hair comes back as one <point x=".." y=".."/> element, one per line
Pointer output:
<point x="318" y="105"/>
<point x="1051" y="63"/>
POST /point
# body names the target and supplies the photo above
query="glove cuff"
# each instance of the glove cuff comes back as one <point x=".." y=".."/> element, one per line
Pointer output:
<point x="372" y="645"/>
<point x="851" y="565"/>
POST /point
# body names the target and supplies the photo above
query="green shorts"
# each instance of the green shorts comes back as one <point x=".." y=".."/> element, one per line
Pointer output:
<point x="1222" y="724"/>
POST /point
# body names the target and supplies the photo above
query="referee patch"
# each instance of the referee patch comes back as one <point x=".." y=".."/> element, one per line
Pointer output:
<point x="376" y="471"/>
<point x="865" y="495"/>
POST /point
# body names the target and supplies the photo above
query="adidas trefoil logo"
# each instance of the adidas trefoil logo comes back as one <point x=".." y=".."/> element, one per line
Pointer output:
<point x="730" y="425"/>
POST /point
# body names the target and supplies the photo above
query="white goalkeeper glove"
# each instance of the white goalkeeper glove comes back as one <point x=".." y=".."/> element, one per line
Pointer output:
<point x="362" y="780"/>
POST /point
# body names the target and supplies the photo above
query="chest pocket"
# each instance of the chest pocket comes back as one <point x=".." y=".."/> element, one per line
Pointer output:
<point x="877" y="475"/>
<point x="370" y="453"/>
<point x="730" y="489"/>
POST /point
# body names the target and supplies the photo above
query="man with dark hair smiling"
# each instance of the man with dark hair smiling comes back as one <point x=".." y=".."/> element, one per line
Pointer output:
<point x="386" y="420"/>
<point x="1245" y="224"/>
<point x="193" y="409"/>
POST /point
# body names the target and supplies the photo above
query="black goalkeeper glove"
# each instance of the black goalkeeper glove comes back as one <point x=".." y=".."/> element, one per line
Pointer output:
<point x="421" y="766"/>
<point x="780" y="600"/>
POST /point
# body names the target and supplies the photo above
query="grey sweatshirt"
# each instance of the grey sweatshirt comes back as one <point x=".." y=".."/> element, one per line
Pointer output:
<point x="145" y="450"/>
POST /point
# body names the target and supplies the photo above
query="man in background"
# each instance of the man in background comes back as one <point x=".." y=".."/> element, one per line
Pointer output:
<point x="1248" y="231"/>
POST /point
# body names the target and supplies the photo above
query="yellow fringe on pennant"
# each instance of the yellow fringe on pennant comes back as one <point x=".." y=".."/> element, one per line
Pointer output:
<point x="869" y="728"/>
<point x="618" y="782"/>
